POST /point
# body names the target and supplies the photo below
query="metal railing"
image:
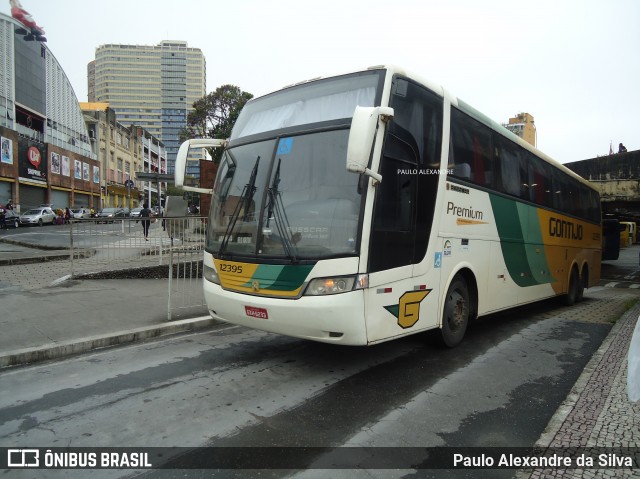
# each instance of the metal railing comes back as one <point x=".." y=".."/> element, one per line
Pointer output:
<point x="173" y="249"/>
<point x="187" y="236"/>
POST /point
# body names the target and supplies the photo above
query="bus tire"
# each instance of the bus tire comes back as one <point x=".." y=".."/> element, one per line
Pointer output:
<point x="576" y="288"/>
<point x="455" y="314"/>
<point x="584" y="282"/>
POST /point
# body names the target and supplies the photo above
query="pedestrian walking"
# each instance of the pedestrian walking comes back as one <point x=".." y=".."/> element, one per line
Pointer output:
<point x="145" y="216"/>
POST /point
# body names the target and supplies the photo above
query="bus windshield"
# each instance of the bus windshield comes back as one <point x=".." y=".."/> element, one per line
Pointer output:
<point x="282" y="190"/>
<point x="301" y="204"/>
<point x="315" y="102"/>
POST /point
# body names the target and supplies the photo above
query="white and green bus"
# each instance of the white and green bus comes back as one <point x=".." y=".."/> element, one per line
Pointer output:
<point x="367" y="206"/>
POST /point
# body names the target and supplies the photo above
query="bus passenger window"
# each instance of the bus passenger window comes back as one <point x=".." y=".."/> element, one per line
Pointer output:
<point x="470" y="150"/>
<point x="540" y="181"/>
<point x="513" y="176"/>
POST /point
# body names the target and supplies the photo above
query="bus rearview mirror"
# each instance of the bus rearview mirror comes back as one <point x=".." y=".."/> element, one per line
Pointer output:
<point x="181" y="160"/>
<point x="364" y="125"/>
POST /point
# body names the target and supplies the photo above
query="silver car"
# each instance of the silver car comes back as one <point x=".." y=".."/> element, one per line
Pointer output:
<point x="37" y="216"/>
<point x="80" y="214"/>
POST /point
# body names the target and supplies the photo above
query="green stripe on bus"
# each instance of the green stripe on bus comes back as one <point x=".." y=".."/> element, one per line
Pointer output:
<point x="279" y="277"/>
<point x="526" y="262"/>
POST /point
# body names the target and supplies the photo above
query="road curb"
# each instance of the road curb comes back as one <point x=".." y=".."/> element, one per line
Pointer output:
<point x="33" y="259"/>
<point x="39" y="254"/>
<point x="62" y="349"/>
<point x="26" y="244"/>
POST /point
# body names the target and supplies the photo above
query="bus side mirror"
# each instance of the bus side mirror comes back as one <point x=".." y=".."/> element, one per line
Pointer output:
<point x="181" y="160"/>
<point x="363" y="131"/>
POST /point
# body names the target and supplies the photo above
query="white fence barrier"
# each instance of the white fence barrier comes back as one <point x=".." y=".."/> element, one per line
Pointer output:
<point x="173" y="248"/>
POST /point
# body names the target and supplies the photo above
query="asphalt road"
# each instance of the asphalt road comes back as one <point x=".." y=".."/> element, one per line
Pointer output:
<point x="237" y="387"/>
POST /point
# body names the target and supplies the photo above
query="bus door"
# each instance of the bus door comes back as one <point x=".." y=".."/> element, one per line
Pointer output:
<point x="397" y="301"/>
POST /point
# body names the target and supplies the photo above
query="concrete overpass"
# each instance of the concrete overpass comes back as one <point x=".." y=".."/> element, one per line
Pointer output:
<point x="617" y="177"/>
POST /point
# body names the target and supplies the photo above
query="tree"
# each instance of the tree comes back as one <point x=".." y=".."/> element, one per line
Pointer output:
<point x="215" y="114"/>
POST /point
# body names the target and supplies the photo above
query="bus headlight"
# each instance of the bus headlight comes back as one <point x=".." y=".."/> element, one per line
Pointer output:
<point x="335" y="285"/>
<point x="210" y="274"/>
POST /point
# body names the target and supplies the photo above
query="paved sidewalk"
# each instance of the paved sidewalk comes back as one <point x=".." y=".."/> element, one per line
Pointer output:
<point x="81" y="315"/>
<point x="47" y="315"/>
<point x="597" y="413"/>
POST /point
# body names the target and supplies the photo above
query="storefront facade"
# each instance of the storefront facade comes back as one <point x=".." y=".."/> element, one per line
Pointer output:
<point x="46" y="152"/>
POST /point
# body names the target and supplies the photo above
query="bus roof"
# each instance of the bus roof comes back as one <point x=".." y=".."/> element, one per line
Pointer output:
<point x="484" y="119"/>
<point x="460" y="104"/>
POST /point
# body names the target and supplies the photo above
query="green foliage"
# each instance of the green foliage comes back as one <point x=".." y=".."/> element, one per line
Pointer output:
<point x="215" y="114"/>
<point x="174" y="191"/>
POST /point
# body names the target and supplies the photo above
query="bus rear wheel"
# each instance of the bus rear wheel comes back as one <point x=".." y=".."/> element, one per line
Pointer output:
<point x="576" y="288"/>
<point x="455" y="315"/>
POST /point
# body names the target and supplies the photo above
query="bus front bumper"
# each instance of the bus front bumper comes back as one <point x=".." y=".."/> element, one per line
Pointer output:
<point x="337" y="318"/>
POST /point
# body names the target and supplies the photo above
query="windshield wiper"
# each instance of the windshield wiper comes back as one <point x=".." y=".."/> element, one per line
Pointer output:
<point x="243" y="205"/>
<point x="275" y="210"/>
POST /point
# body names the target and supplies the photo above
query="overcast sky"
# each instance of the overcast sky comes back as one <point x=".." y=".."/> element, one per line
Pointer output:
<point x="572" y="64"/>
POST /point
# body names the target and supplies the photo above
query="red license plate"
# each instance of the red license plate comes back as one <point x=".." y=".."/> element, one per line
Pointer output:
<point x="259" y="313"/>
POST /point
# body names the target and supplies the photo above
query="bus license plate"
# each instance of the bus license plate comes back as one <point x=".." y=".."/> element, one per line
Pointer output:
<point x="259" y="313"/>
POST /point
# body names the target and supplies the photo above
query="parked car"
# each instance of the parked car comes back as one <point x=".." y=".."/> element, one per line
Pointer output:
<point x="37" y="216"/>
<point x="135" y="213"/>
<point x="109" y="215"/>
<point x="11" y="219"/>
<point x="80" y="213"/>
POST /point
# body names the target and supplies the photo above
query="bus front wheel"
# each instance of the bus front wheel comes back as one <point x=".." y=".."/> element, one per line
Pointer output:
<point x="455" y="315"/>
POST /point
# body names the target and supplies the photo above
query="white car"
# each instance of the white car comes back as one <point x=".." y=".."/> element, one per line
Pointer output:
<point x="37" y="216"/>
<point x="80" y="213"/>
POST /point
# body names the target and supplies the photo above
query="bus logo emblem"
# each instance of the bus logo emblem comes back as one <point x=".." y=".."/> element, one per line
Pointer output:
<point x="408" y="311"/>
<point x="255" y="285"/>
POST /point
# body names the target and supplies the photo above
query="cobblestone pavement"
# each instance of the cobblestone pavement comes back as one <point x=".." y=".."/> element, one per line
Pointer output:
<point x="597" y="413"/>
<point x="130" y="253"/>
<point x="32" y="276"/>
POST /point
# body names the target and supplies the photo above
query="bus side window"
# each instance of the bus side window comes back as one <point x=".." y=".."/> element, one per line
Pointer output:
<point x="470" y="150"/>
<point x="559" y="185"/>
<point x="513" y="177"/>
<point x="568" y="196"/>
<point x="459" y="151"/>
<point x="595" y="212"/>
<point x="540" y="181"/>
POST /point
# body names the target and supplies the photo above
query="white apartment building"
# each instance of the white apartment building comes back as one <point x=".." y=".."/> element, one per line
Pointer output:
<point x="153" y="87"/>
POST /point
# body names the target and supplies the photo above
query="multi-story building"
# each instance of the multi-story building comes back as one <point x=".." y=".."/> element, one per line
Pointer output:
<point x="46" y="152"/>
<point x="522" y="125"/>
<point x="122" y="151"/>
<point x="153" y="87"/>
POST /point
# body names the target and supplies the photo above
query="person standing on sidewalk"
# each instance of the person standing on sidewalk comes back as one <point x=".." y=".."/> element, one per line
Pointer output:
<point x="145" y="216"/>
